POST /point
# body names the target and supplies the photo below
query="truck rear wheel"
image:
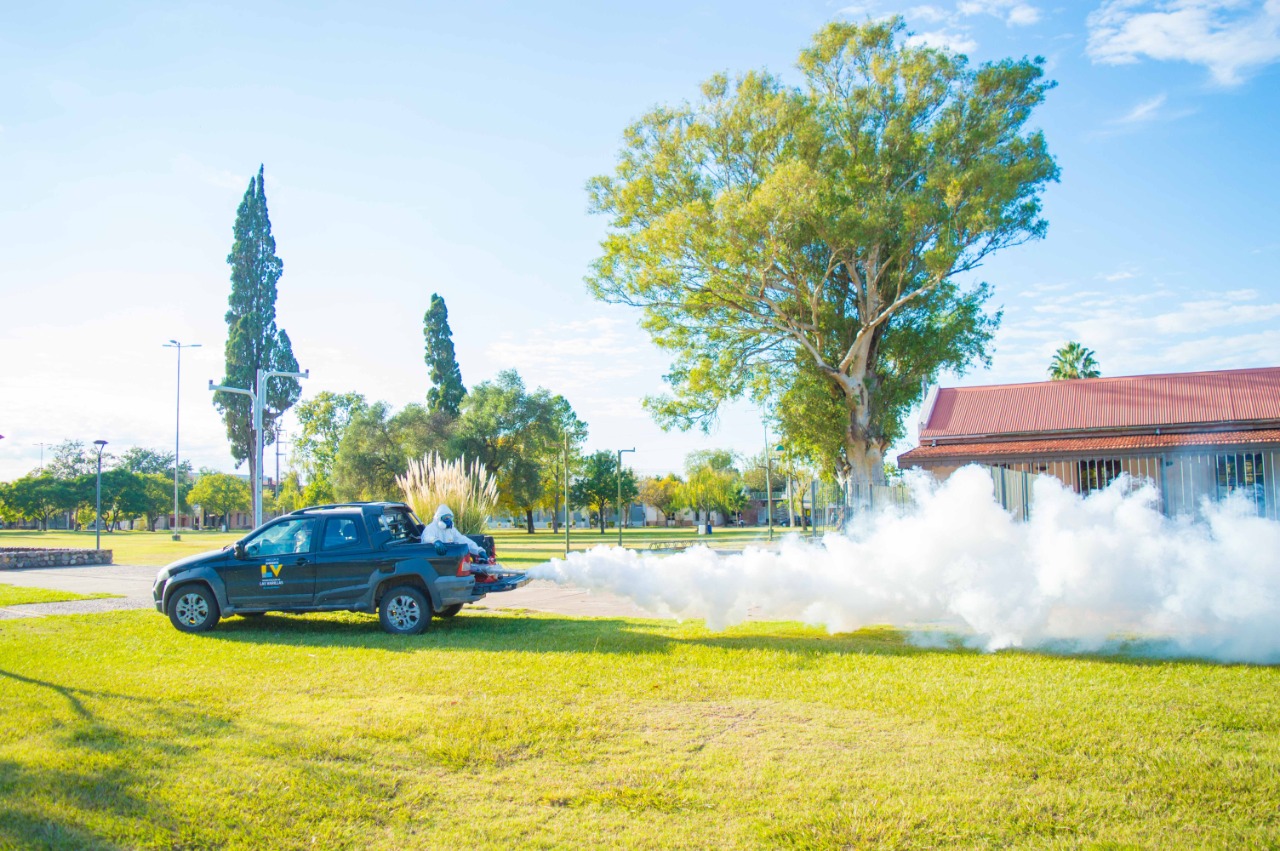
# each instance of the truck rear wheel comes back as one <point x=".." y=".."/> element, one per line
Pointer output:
<point x="404" y="610"/>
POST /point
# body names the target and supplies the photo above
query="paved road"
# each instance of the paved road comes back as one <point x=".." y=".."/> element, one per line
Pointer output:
<point x="133" y="583"/>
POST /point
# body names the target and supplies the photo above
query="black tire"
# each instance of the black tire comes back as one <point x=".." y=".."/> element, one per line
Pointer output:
<point x="251" y="614"/>
<point x="449" y="611"/>
<point x="404" y="610"/>
<point x="193" y="608"/>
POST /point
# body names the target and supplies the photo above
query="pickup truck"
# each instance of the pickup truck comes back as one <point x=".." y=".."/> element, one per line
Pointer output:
<point x="353" y="557"/>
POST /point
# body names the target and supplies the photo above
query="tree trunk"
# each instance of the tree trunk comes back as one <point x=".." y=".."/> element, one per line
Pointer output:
<point x="601" y="512"/>
<point x="555" y="514"/>
<point x="528" y="519"/>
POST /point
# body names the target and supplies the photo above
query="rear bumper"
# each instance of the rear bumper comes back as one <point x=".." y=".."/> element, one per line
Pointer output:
<point x="501" y="580"/>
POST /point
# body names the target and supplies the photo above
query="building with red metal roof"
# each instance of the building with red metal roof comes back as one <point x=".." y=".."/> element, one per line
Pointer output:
<point x="1195" y="435"/>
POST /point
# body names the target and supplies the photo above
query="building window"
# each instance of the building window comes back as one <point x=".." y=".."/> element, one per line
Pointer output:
<point x="1097" y="473"/>
<point x="1241" y="472"/>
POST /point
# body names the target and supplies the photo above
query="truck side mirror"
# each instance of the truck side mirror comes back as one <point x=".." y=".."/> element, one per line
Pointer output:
<point x="238" y="549"/>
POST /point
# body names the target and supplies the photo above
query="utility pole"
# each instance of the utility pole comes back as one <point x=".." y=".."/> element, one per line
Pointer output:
<point x="97" y="523"/>
<point x="42" y="446"/>
<point x="257" y="398"/>
<point x="279" y="441"/>
<point x="620" y="451"/>
<point x="768" y="479"/>
<point x="566" y="493"/>
<point x="177" y="422"/>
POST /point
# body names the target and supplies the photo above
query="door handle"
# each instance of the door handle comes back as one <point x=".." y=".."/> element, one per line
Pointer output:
<point x="301" y="561"/>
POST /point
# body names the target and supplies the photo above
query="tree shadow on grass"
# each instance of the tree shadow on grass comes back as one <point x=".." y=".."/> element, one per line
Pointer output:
<point x="97" y="771"/>
<point x="536" y="632"/>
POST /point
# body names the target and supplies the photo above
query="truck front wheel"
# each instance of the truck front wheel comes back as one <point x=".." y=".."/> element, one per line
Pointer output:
<point x="193" y="608"/>
<point x="404" y="610"/>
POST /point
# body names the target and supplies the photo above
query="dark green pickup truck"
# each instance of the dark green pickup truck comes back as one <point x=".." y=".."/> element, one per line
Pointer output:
<point x="354" y="557"/>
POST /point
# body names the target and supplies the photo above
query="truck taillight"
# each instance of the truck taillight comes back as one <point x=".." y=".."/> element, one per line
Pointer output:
<point x="464" y="566"/>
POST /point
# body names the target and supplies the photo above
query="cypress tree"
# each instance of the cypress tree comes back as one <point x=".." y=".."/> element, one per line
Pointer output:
<point x="253" y="341"/>
<point x="447" y="391"/>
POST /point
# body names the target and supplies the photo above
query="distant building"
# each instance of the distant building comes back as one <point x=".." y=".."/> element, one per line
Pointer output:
<point x="1195" y="435"/>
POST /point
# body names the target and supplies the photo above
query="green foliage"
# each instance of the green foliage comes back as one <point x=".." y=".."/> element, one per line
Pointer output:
<point x="35" y="498"/>
<point x="1072" y="361"/>
<point x="519" y="437"/>
<point x="805" y="245"/>
<point x="662" y="492"/>
<point x="322" y="420"/>
<point x="253" y="340"/>
<point x="220" y="494"/>
<point x="447" y="391"/>
<point x="376" y="447"/>
<point x="597" y="486"/>
<point x="713" y="484"/>
<point x="71" y="459"/>
<point x="291" y="496"/>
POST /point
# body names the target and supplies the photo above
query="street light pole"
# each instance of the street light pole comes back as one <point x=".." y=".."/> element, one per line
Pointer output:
<point x="97" y="524"/>
<point x="177" y="423"/>
<point x="566" y="493"/>
<point x="768" y="479"/>
<point x="620" y="451"/>
<point x="257" y="397"/>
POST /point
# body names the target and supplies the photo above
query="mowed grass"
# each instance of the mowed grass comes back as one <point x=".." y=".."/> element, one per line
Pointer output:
<point x="12" y="595"/>
<point x="501" y="731"/>
<point x="516" y="548"/>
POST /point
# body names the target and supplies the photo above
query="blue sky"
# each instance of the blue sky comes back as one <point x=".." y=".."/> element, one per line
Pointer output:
<point x="417" y="148"/>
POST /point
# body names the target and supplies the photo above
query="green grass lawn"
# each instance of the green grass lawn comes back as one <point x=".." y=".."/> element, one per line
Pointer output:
<point x="516" y="548"/>
<point x="507" y="731"/>
<point x="13" y="595"/>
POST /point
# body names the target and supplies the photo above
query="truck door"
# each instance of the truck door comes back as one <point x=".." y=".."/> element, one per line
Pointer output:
<point x="343" y="562"/>
<point x="278" y="569"/>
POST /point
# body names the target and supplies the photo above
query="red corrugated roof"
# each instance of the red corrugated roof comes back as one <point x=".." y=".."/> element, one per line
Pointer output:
<point x="1235" y="397"/>
<point x="1073" y="445"/>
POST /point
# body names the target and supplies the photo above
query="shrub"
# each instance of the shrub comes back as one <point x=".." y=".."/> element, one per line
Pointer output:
<point x="466" y="488"/>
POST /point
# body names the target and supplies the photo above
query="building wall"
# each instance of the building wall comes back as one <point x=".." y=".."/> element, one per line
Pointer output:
<point x="1184" y="479"/>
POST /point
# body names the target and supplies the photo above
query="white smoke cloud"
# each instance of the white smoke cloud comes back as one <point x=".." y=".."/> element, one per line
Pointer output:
<point x="1084" y="574"/>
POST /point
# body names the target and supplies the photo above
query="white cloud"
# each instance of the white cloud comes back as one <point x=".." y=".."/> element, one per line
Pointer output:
<point x="954" y="41"/>
<point x="1229" y="37"/>
<point x="928" y="14"/>
<point x="1122" y="275"/>
<point x="1148" y="110"/>
<point x="1015" y="13"/>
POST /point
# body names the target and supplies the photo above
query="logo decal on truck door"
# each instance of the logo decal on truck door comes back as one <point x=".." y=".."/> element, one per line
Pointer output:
<point x="271" y="575"/>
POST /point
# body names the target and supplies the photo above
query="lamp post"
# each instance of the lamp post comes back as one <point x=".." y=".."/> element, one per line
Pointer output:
<point x="97" y="524"/>
<point x="768" y="480"/>
<point x="257" y="398"/>
<point x="177" y="421"/>
<point x="620" y="451"/>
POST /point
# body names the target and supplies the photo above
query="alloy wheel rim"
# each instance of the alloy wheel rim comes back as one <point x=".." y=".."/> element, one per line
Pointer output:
<point x="192" y="609"/>
<point x="403" y="612"/>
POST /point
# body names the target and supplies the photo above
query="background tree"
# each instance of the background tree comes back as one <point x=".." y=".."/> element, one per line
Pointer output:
<point x="154" y="462"/>
<point x="322" y="420"/>
<point x="566" y="424"/>
<point x="36" y="498"/>
<point x="253" y="340"/>
<point x="597" y="487"/>
<point x="809" y="242"/>
<point x="376" y="447"/>
<point x="220" y="494"/>
<point x="517" y="436"/>
<point x="663" y="493"/>
<point x="712" y="484"/>
<point x="71" y="458"/>
<point x="446" y="391"/>
<point x="1073" y="361"/>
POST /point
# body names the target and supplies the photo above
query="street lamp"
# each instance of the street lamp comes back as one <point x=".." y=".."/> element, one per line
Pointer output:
<point x="97" y="525"/>
<point x="177" y="421"/>
<point x="258" y="397"/>
<point x="620" y="451"/>
<point x="768" y="480"/>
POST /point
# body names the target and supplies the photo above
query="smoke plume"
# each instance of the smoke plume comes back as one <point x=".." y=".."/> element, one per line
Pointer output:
<point x="1085" y="574"/>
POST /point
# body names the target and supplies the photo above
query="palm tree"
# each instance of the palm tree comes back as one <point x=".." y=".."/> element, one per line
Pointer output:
<point x="1073" y="361"/>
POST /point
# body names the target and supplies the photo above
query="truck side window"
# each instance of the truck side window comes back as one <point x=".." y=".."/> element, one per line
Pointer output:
<point x="340" y="532"/>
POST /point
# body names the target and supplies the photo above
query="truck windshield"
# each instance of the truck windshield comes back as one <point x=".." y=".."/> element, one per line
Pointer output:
<point x="401" y="523"/>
